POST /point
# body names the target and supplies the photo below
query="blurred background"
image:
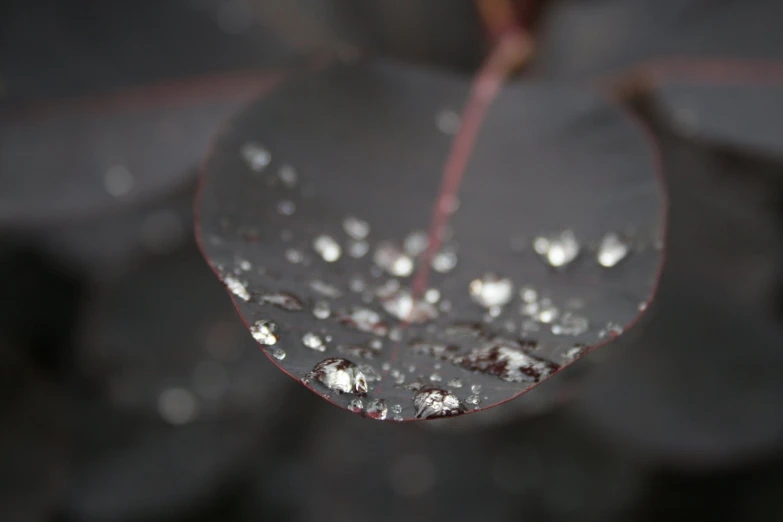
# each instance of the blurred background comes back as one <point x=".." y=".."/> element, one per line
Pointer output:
<point x="130" y="390"/>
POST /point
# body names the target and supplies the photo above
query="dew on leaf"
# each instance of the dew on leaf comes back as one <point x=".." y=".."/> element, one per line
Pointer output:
<point x="356" y="405"/>
<point x="491" y="291"/>
<point x="321" y="310"/>
<point x="546" y="313"/>
<point x="340" y="375"/>
<point x="364" y="320"/>
<point x="402" y="306"/>
<point x="356" y="228"/>
<point x="557" y="250"/>
<point x="256" y="157"/>
<point x="327" y="248"/>
<point x="265" y="332"/>
<point x="612" y="250"/>
<point x="475" y="388"/>
<point x="570" y="324"/>
<point x="325" y="289"/>
<point x="416" y="243"/>
<point x="435" y="377"/>
<point x="454" y="383"/>
<point x="313" y="341"/>
<point x="434" y="402"/>
<point x="237" y="287"/>
<point x="245" y="265"/>
<point x="528" y="294"/>
<point x="356" y="351"/>
<point x="294" y="256"/>
<point x="278" y="353"/>
<point x="432" y="295"/>
<point x="358" y="249"/>
<point x="377" y="409"/>
<point x="508" y="362"/>
<point x="393" y="260"/>
<point x="283" y="300"/>
<point x="444" y="261"/>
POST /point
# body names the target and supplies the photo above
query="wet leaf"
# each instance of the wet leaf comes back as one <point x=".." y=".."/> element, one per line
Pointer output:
<point x="526" y="278"/>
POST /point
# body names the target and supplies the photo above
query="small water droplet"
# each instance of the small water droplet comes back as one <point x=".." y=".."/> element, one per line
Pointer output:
<point x="402" y="306"/>
<point x="476" y="388"/>
<point x="340" y="375"/>
<point x="413" y="386"/>
<point x="283" y="300"/>
<point x="356" y="351"/>
<point x="286" y="207"/>
<point x="397" y="408"/>
<point x="454" y="383"/>
<point x="364" y="320"/>
<point x="278" y="354"/>
<point x="288" y="175"/>
<point x="528" y="294"/>
<point x="358" y="249"/>
<point x="416" y="243"/>
<point x="571" y="324"/>
<point x="377" y="409"/>
<point x="558" y="250"/>
<point x="447" y="121"/>
<point x="642" y="306"/>
<point x="393" y="260"/>
<point x="327" y="248"/>
<point x="118" y="181"/>
<point x="491" y="291"/>
<point x="237" y="288"/>
<point x="356" y="405"/>
<point x="357" y="284"/>
<point x="507" y="361"/>
<point x="294" y="256"/>
<point x="322" y="310"/>
<point x="612" y="250"/>
<point x="314" y="342"/>
<point x="444" y="261"/>
<point x="435" y="377"/>
<point x="432" y="295"/>
<point x="398" y="418"/>
<point x="546" y="314"/>
<point x="265" y="332"/>
<point x="574" y="352"/>
<point x="256" y="157"/>
<point x="325" y="289"/>
<point x="395" y="334"/>
<point x="434" y="402"/>
<point x="356" y="228"/>
<point x="245" y="265"/>
<point x="473" y="400"/>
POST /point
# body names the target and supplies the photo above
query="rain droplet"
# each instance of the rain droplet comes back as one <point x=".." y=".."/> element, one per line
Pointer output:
<point x="401" y="305"/>
<point x="435" y="402"/>
<point x="256" y="157"/>
<point x="491" y="290"/>
<point x="612" y="250"/>
<point x="356" y="405"/>
<point x="571" y="324"/>
<point x="377" y="409"/>
<point x="508" y="362"/>
<point x="447" y="121"/>
<point x="356" y="228"/>
<point x="314" y="342"/>
<point x="321" y="310"/>
<point x="284" y="301"/>
<point x="286" y="207"/>
<point x="454" y="383"/>
<point x="393" y="260"/>
<point x="444" y="261"/>
<point x="476" y="388"/>
<point x="265" y="332"/>
<point x="473" y="400"/>
<point x="435" y="377"/>
<point x="358" y="249"/>
<point x="278" y="354"/>
<point x="340" y="375"/>
<point x="558" y="250"/>
<point x="288" y="175"/>
<point x="364" y="320"/>
<point x="327" y="248"/>
<point x="546" y="314"/>
<point x="325" y="289"/>
<point x="237" y="287"/>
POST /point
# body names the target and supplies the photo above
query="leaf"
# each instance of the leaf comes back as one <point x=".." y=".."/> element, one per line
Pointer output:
<point x="363" y="141"/>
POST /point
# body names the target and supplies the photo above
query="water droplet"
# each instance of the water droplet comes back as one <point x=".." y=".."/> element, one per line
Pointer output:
<point x="284" y="301"/>
<point x="256" y="157"/>
<point x="508" y="362"/>
<point x="369" y="373"/>
<point x="288" y="175"/>
<point x="265" y="332"/>
<point x="528" y="294"/>
<point x="416" y="243"/>
<point x="118" y="181"/>
<point x="473" y="400"/>
<point x="476" y="388"/>
<point x="278" y="353"/>
<point x="245" y="265"/>
<point x="376" y="344"/>
<point x="393" y="260"/>
<point x="358" y="249"/>
<point x="177" y="406"/>
<point x="610" y="330"/>
<point x="355" y="351"/>
<point x="444" y="261"/>
<point x="377" y="409"/>
<point x="237" y="287"/>
<point x="612" y="250"/>
<point x="340" y="375"/>
<point x="432" y="295"/>
<point x="357" y="284"/>
<point x="491" y="290"/>
<point x="447" y="121"/>
<point x="325" y="289"/>
<point x="435" y="377"/>
<point x="546" y="314"/>
<point x="364" y="320"/>
<point x="286" y="207"/>
<point x="402" y="306"/>
<point x="356" y="405"/>
<point x="294" y="256"/>
<point x="436" y="351"/>
<point x="327" y="248"/>
<point x="397" y="408"/>
<point x="558" y="250"/>
<point x="314" y="342"/>
<point x="435" y="402"/>
<point x="574" y="352"/>
<point x="643" y="306"/>
<point x="356" y="228"/>
<point x="571" y="324"/>
<point x="454" y="383"/>
<point x="321" y="310"/>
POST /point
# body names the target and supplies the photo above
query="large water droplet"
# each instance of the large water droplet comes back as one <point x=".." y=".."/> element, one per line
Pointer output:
<point x="314" y="342"/>
<point x="612" y="250"/>
<point x="377" y="409"/>
<point x="340" y="375"/>
<point x="364" y="320"/>
<point x="558" y="250"/>
<point x="401" y="305"/>
<point x="393" y="260"/>
<point x="356" y="228"/>
<point x="237" y="287"/>
<point x="491" y="290"/>
<point x="508" y="362"/>
<point x="256" y="157"/>
<point x="435" y="402"/>
<point x="284" y="301"/>
<point x="265" y="332"/>
<point x="327" y="248"/>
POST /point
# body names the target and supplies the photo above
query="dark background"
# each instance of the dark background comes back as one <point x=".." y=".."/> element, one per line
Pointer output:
<point x="130" y="391"/>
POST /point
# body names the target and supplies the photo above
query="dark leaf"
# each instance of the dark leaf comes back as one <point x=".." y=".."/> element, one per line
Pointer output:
<point x="364" y="142"/>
